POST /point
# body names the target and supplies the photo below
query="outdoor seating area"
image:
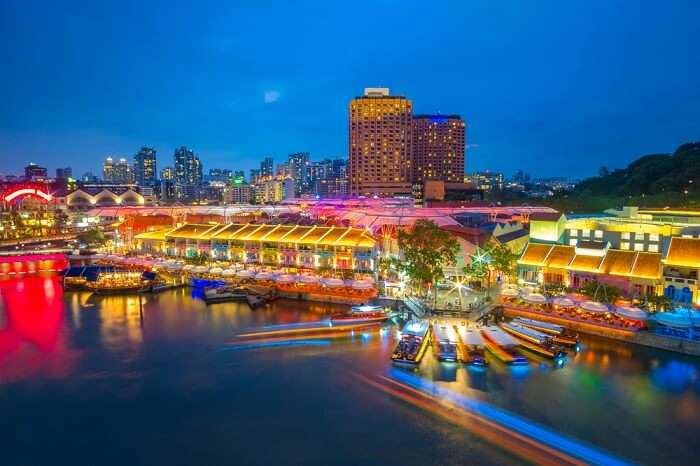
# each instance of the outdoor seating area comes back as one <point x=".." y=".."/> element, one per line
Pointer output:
<point x="575" y="306"/>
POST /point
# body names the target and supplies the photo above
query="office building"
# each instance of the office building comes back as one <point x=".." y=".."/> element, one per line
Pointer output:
<point x="117" y="172"/>
<point x="438" y="148"/>
<point x="167" y="174"/>
<point x="380" y="144"/>
<point x="64" y="173"/>
<point x="145" y="167"/>
<point x="298" y="166"/>
<point x="267" y="167"/>
<point x="34" y="172"/>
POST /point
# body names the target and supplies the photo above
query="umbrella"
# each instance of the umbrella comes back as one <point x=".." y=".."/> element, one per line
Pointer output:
<point x="188" y="267"/>
<point x="228" y="273"/>
<point x="333" y="282"/>
<point x="200" y="269"/>
<point x="563" y="302"/>
<point x="216" y="270"/>
<point x="264" y="276"/>
<point x="362" y="285"/>
<point x="594" y="307"/>
<point x="308" y="279"/>
<point x="245" y="274"/>
<point x="534" y="298"/>
<point x="509" y="292"/>
<point x="286" y="278"/>
<point x="632" y="313"/>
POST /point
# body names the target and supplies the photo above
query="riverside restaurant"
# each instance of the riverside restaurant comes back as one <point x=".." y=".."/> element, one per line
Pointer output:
<point x="283" y="246"/>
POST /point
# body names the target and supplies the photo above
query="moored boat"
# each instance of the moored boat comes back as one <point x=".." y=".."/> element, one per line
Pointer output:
<point x="445" y="342"/>
<point x="559" y="334"/>
<point x="502" y="345"/>
<point x="414" y="340"/>
<point x="470" y="347"/>
<point x="361" y="315"/>
<point x="534" y="340"/>
<point x="224" y="294"/>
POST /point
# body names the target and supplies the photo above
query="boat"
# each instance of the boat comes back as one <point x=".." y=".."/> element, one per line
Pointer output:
<point x="414" y="340"/>
<point x="470" y="346"/>
<point x="255" y="301"/>
<point x="502" y="345"/>
<point x="559" y="334"/>
<point x="361" y="315"/>
<point x="224" y="294"/>
<point x="534" y="340"/>
<point x="107" y="279"/>
<point x="445" y="342"/>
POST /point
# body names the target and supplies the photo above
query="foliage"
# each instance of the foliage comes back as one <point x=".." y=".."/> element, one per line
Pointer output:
<point x="600" y="291"/>
<point x="503" y="260"/>
<point x="426" y="250"/>
<point x="654" y="303"/>
<point x="389" y="267"/>
<point x="92" y="237"/>
<point x="494" y="257"/>
<point x="199" y="258"/>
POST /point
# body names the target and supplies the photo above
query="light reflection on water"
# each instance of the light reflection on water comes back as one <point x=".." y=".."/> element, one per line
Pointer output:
<point x="100" y="353"/>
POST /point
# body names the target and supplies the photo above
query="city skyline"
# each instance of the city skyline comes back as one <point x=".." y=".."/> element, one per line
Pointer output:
<point x="555" y="93"/>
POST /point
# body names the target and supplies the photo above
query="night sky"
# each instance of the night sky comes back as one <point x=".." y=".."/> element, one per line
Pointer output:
<point x="554" y="88"/>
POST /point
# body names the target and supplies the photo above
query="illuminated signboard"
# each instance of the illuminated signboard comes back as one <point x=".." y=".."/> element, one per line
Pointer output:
<point x="28" y="192"/>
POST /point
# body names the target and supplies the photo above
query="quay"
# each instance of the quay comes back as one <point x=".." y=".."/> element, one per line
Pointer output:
<point x="643" y="338"/>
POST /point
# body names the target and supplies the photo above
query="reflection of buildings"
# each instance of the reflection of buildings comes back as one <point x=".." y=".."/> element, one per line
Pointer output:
<point x="312" y="247"/>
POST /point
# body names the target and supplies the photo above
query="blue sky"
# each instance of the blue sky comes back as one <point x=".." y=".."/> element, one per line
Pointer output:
<point x="554" y="88"/>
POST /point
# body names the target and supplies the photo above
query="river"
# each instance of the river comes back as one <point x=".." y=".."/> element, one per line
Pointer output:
<point x="92" y="380"/>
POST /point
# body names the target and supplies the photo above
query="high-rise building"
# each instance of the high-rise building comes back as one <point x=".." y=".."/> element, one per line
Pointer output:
<point x="220" y="174"/>
<point x="145" y="167"/>
<point x="238" y="175"/>
<point x="298" y="165"/>
<point x="438" y="148"/>
<point x="273" y="190"/>
<point x="254" y="175"/>
<point x="167" y="174"/>
<point x="117" y="172"/>
<point x="380" y="144"/>
<point x="64" y="173"/>
<point x="188" y="174"/>
<point x="238" y="192"/>
<point x="329" y="177"/>
<point x="267" y="167"/>
<point x="34" y="172"/>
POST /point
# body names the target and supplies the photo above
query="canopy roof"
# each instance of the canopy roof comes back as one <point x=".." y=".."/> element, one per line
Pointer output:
<point x="684" y="252"/>
<point x="302" y="234"/>
<point x="614" y="262"/>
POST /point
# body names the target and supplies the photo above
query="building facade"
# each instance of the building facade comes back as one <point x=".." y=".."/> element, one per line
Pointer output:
<point x="145" y="169"/>
<point x="117" y="172"/>
<point x="438" y="148"/>
<point x="380" y="144"/>
<point x="290" y="246"/>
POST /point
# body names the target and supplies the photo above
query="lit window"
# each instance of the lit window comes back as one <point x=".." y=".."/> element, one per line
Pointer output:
<point x="625" y="235"/>
<point x="625" y="245"/>
<point x="573" y="241"/>
<point x="653" y="248"/>
<point x="639" y="246"/>
<point x="573" y="233"/>
<point x="653" y="237"/>
<point x="585" y="233"/>
<point x="599" y="234"/>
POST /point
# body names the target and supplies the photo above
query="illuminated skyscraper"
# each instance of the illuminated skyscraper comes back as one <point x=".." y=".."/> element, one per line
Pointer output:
<point x="380" y="144"/>
<point x="267" y="167"/>
<point x="438" y="148"/>
<point x="188" y="174"/>
<point x="145" y="167"/>
<point x="117" y="172"/>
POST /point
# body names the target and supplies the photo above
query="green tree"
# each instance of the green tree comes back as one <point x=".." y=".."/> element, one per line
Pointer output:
<point x="601" y="292"/>
<point x="426" y="250"/>
<point x="92" y="237"/>
<point x="503" y="260"/>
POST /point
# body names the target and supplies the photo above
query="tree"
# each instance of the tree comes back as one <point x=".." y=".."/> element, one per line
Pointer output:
<point x="91" y="237"/>
<point x="503" y="260"/>
<point x="601" y="292"/>
<point x="426" y="250"/>
<point x="388" y="267"/>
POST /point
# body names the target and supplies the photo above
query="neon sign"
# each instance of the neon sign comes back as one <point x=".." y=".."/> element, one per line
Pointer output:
<point x="28" y="192"/>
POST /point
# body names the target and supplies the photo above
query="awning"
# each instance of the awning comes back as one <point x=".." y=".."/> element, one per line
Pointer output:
<point x="594" y="307"/>
<point x="534" y="298"/>
<point x="563" y="302"/>
<point x="632" y="313"/>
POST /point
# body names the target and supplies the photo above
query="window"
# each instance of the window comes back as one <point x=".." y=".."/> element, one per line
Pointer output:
<point x="653" y="237"/>
<point x="653" y="248"/>
<point x="625" y="235"/>
<point x="585" y="233"/>
<point x="598" y="234"/>
<point x="639" y="246"/>
<point x="573" y="241"/>
<point x="573" y="233"/>
<point x="625" y="245"/>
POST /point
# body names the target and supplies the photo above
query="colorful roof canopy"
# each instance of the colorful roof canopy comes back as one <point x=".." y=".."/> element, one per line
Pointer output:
<point x="318" y="235"/>
<point x="684" y="252"/>
<point x="614" y="262"/>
